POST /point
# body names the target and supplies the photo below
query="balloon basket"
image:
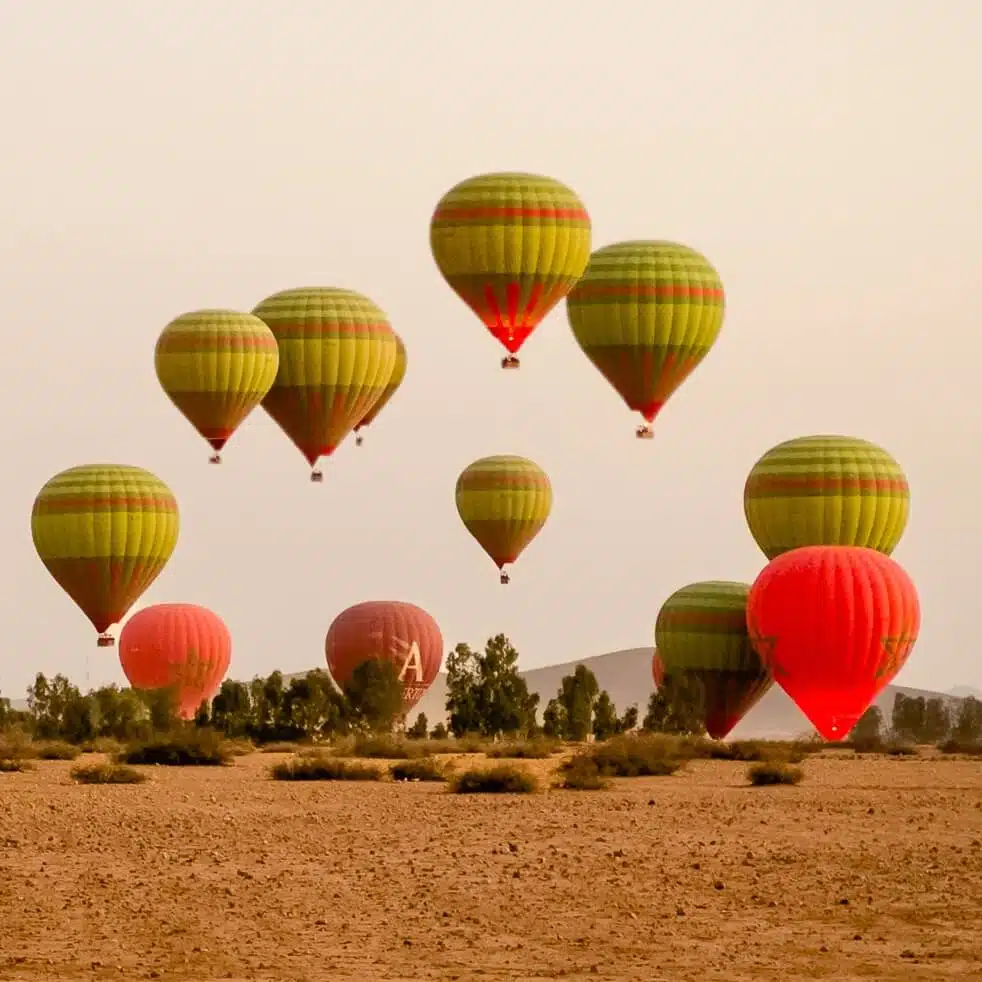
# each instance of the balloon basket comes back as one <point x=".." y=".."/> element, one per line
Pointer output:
<point x="359" y="439"/>
<point x="105" y="641"/>
<point x="510" y="362"/>
<point x="644" y="432"/>
<point x="504" y="578"/>
<point x="215" y="459"/>
<point x="317" y="477"/>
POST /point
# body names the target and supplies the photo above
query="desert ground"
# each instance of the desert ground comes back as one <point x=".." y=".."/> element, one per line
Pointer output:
<point x="870" y="869"/>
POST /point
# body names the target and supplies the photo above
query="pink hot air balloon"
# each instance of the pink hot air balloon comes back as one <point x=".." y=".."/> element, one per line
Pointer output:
<point x="181" y="646"/>
<point x="401" y="633"/>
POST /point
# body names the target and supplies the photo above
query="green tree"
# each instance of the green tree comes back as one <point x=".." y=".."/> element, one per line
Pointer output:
<point x="419" y="729"/>
<point x="485" y="693"/>
<point x="374" y="695"/>
<point x="605" y="720"/>
<point x="231" y="709"/>
<point x="577" y="694"/>
<point x="439" y="732"/>
<point x="554" y="723"/>
<point x="312" y="706"/>
<point x="937" y="720"/>
<point x="907" y="718"/>
<point x="677" y="706"/>
<point x="968" y="721"/>
<point x="869" y="728"/>
<point x="53" y="706"/>
<point x="629" y="721"/>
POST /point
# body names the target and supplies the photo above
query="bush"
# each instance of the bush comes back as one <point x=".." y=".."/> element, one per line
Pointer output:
<point x="55" y="750"/>
<point x="582" y="774"/>
<point x="421" y="769"/>
<point x="382" y="748"/>
<point x="323" y="767"/>
<point x="866" y="745"/>
<point x="102" y="745"/>
<point x="630" y="756"/>
<point x="107" y="774"/>
<point x="281" y="748"/>
<point x="968" y="748"/>
<point x="15" y="745"/>
<point x="900" y="749"/>
<point x="774" y="772"/>
<point x="239" y="747"/>
<point x="500" y="779"/>
<point x="535" y="749"/>
<point x="14" y="765"/>
<point x="747" y="751"/>
<point x="185" y="748"/>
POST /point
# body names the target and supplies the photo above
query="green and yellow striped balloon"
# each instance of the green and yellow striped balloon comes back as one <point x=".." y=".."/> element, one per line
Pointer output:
<point x="702" y="631"/>
<point x="105" y="532"/>
<point x="337" y="353"/>
<point x="646" y="314"/>
<point x="216" y="366"/>
<point x="826" y="491"/>
<point x="503" y="502"/>
<point x="398" y="374"/>
<point x="511" y="246"/>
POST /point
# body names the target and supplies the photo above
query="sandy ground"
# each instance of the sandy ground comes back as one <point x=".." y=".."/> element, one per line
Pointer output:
<point x="871" y="869"/>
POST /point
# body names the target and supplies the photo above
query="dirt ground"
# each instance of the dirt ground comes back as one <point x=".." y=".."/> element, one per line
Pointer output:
<point x="871" y="869"/>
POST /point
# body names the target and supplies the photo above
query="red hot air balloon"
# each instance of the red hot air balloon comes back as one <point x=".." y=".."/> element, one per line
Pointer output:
<point x="176" y="645"/>
<point x="401" y="633"/>
<point x="835" y="624"/>
<point x="657" y="668"/>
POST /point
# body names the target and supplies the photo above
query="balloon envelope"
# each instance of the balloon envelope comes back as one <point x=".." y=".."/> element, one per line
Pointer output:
<point x="395" y="380"/>
<point x="702" y="631"/>
<point x="646" y="314"/>
<point x="504" y="502"/>
<point x="826" y="490"/>
<point x="216" y="366"/>
<point x="105" y="533"/>
<point x="511" y="246"/>
<point x="657" y="668"/>
<point x="180" y="646"/>
<point x="337" y="353"/>
<point x="390" y="630"/>
<point x="836" y="624"/>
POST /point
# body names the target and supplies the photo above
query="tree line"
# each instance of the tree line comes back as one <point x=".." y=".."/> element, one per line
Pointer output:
<point x="486" y="696"/>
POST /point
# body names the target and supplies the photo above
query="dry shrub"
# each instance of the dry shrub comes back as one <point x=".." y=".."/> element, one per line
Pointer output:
<point x="15" y="765"/>
<point x="102" y="745"/>
<point x="582" y="774"/>
<point x="183" y="748"/>
<point x="631" y="756"/>
<point x="323" y="767"/>
<point x="468" y="744"/>
<point x="16" y="745"/>
<point x="500" y="779"/>
<point x="382" y="748"/>
<point x="535" y="749"/>
<point x="901" y="749"/>
<point x="107" y="774"/>
<point x="421" y="769"/>
<point x="239" y="747"/>
<point x="55" y="750"/>
<point x="774" y="772"/>
<point x="747" y="751"/>
<point x="281" y="748"/>
<point x="966" y="748"/>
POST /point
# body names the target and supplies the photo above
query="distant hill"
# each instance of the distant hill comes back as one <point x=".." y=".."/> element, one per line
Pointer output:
<point x="626" y="675"/>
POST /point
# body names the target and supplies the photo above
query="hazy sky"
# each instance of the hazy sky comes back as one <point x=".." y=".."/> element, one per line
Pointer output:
<point x="164" y="156"/>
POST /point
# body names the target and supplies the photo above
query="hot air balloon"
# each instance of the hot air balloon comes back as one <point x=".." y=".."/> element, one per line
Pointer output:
<point x="835" y="624"/>
<point x="504" y="502"/>
<point x="216" y="366"/>
<point x="105" y="532"/>
<point x="398" y="374"/>
<point x="390" y="630"/>
<point x="646" y="314"/>
<point x="702" y="631"/>
<point x="657" y="668"/>
<point x="182" y="647"/>
<point x="826" y="491"/>
<point x="337" y="353"/>
<point x="511" y="246"/>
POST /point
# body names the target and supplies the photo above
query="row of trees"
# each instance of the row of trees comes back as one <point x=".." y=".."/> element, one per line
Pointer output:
<point x="486" y="696"/>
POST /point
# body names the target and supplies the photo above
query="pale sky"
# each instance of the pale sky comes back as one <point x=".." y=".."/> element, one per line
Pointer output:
<point x="164" y="156"/>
